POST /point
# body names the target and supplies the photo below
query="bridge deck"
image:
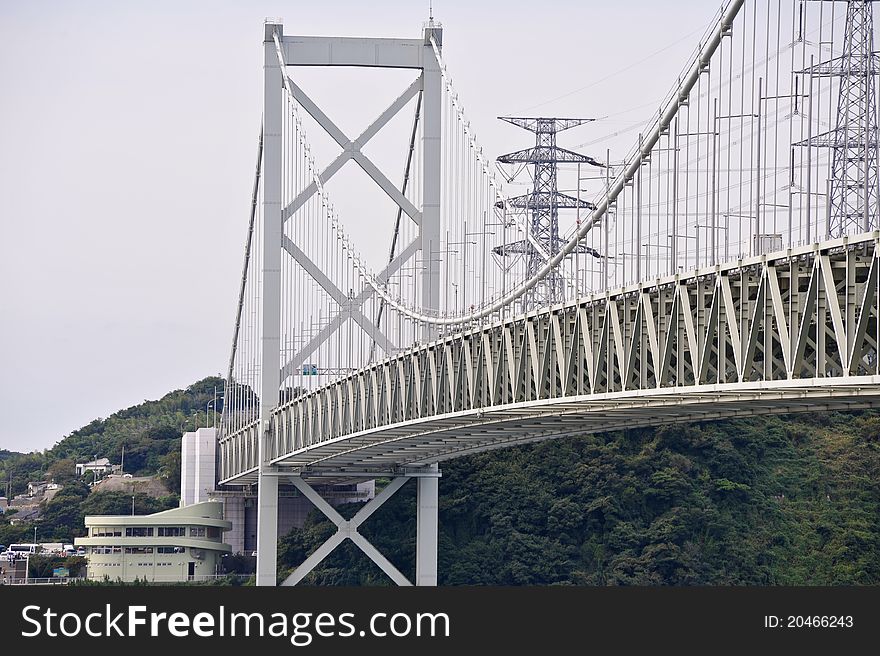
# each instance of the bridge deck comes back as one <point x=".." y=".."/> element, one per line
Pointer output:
<point x="794" y="331"/>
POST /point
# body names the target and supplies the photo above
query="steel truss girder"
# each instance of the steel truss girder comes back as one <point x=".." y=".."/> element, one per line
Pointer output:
<point x="788" y="330"/>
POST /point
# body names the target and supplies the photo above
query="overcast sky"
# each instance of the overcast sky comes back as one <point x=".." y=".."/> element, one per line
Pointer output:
<point x="127" y="143"/>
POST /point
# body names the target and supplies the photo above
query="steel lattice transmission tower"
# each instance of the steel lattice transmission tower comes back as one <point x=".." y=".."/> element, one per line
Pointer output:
<point x="544" y="202"/>
<point x="853" y="200"/>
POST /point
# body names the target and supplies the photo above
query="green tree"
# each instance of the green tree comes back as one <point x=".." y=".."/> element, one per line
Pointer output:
<point x="62" y="517"/>
<point x="169" y="469"/>
<point x="62" y="471"/>
<point x="120" y="503"/>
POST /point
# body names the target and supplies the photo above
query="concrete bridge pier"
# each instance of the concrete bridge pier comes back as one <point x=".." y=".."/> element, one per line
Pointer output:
<point x="427" y="525"/>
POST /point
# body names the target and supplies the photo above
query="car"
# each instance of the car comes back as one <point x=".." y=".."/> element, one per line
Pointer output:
<point x="81" y="551"/>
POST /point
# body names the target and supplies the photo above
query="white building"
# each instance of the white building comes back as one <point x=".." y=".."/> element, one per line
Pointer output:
<point x="197" y="466"/>
<point x="99" y="466"/>
<point x="182" y="544"/>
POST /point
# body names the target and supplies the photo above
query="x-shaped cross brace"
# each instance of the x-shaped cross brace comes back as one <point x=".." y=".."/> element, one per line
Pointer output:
<point x="350" y="305"/>
<point x="347" y="528"/>
<point x="353" y="150"/>
<point x="350" y="150"/>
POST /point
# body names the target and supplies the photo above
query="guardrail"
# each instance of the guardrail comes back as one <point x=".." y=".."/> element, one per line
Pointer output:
<point x="41" y="581"/>
<point x="158" y="580"/>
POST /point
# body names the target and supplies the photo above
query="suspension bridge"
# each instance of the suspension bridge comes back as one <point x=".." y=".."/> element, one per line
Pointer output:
<point x="726" y="265"/>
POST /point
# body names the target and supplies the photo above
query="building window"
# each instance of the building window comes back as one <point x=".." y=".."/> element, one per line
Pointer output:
<point x="170" y="550"/>
<point x="139" y="532"/>
<point x="139" y="550"/>
<point x="171" y="531"/>
<point x="213" y="533"/>
<point x="106" y="532"/>
<point x="197" y="531"/>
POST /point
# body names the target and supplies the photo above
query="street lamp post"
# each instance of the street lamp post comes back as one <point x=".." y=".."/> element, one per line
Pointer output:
<point x="208" y="405"/>
<point x="445" y="262"/>
<point x="464" y="244"/>
<point x="212" y="403"/>
<point x="483" y="259"/>
<point x="27" y="562"/>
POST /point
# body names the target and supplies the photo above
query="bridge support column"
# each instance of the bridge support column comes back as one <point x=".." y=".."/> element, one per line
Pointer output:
<point x="427" y="506"/>
<point x="270" y="339"/>
<point x="267" y="530"/>
<point x="432" y="137"/>
<point x="348" y="529"/>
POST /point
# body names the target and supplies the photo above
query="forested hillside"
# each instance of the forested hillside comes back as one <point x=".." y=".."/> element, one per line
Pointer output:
<point x="763" y="501"/>
<point x="6" y="455"/>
